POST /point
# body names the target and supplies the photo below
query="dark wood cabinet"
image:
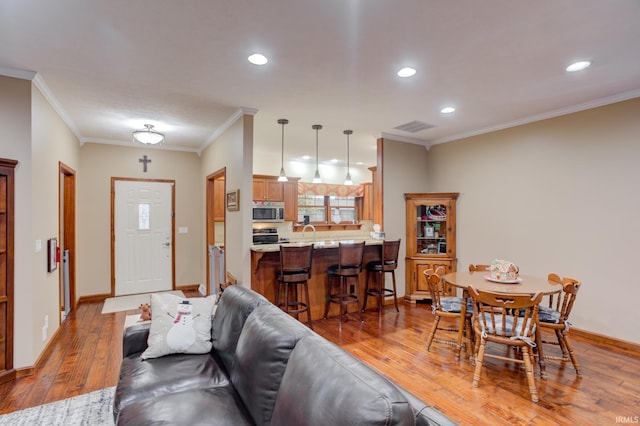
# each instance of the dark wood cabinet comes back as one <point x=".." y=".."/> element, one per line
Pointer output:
<point x="7" y="372"/>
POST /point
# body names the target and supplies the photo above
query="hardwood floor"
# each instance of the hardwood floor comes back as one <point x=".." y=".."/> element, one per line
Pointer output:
<point x="86" y="352"/>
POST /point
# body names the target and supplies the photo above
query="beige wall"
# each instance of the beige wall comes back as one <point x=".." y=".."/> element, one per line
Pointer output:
<point x="233" y="150"/>
<point x="403" y="171"/>
<point x="560" y="195"/>
<point x="15" y="144"/>
<point x="52" y="142"/>
<point x="98" y="164"/>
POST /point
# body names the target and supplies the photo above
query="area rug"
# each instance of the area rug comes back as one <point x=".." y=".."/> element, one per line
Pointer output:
<point x="128" y="303"/>
<point x="91" y="409"/>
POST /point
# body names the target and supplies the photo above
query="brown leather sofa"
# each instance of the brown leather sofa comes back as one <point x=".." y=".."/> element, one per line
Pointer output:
<point x="265" y="368"/>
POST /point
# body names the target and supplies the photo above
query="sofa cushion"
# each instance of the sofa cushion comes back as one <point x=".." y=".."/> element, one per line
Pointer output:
<point x="217" y="406"/>
<point x="268" y="337"/>
<point x="143" y="379"/>
<point x="324" y="385"/>
<point x="235" y="305"/>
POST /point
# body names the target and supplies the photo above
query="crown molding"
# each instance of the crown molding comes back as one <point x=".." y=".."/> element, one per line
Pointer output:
<point x="426" y="143"/>
<point x="39" y="82"/>
<point x="130" y="144"/>
<point x="17" y="73"/>
<point x="226" y="125"/>
<point x="544" y="116"/>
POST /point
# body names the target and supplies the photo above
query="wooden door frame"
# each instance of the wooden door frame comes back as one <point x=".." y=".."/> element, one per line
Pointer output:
<point x="210" y="220"/>
<point x="67" y="228"/>
<point x="113" y="226"/>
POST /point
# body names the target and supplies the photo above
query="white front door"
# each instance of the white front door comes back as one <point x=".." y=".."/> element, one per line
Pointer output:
<point x="143" y="236"/>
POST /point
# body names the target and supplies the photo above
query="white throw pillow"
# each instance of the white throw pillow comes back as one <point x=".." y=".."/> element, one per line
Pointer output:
<point x="179" y="325"/>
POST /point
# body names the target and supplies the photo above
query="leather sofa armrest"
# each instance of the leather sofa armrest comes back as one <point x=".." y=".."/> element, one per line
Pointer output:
<point x="134" y="339"/>
<point x="425" y="415"/>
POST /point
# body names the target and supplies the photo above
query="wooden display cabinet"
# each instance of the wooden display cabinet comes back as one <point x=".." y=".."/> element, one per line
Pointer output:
<point x="431" y="239"/>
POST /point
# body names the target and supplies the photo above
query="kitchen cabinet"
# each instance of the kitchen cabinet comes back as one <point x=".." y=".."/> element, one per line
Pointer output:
<point x="367" y="201"/>
<point x="431" y="239"/>
<point x="290" y="192"/>
<point x="267" y="188"/>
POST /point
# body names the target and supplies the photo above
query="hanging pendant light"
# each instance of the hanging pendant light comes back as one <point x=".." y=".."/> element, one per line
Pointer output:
<point x="348" y="180"/>
<point x="283" y="175"/>
<point x="316" y="178"/>
<point x="148" y="136"/>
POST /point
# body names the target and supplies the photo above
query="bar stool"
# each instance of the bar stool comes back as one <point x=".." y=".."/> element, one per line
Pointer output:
<point x="349" y="266"/>
<point x="295" y="270"/>
<point x="388" y="263"/>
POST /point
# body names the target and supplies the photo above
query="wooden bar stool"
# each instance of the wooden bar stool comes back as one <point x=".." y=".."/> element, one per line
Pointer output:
<point x="388" y="263"/>
<point x="349" y="266"/>
<point x="295" y="270"/>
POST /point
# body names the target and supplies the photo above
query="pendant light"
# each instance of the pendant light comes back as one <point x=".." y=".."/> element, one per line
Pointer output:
<point x="348" y="180"/>
<point x="283" y="175"/>
<point x="316" y="178"/>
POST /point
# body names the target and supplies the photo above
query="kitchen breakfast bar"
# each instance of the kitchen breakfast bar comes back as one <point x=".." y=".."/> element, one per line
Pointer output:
<point x="265" y="263"/>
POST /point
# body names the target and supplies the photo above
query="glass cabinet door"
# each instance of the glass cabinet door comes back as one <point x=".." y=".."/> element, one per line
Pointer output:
<point x="431" y="228"/>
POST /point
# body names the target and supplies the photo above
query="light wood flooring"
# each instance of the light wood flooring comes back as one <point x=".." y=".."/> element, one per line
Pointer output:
<point x="86" y="352"/>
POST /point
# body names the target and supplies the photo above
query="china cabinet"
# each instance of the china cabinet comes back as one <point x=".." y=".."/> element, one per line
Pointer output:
<point x="431" y="239"/>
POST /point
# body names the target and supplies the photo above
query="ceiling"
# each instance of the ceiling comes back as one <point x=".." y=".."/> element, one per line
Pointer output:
<point x="109" y="67"/>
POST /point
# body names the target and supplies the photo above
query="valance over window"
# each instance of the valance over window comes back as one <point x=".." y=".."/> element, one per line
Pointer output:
<point x="330" y="189"/>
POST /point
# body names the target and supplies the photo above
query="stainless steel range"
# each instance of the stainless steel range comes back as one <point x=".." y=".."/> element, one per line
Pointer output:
<point x="265" y="236"/>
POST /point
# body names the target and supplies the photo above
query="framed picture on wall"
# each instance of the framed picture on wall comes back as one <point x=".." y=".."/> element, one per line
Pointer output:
<point x="233" y="200"/>
<point x="52" y="254"/>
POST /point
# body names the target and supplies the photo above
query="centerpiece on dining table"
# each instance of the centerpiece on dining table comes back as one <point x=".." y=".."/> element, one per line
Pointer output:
<point x="503" y="271"/>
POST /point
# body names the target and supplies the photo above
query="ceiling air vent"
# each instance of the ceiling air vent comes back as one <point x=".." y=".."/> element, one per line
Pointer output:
<point x="414" y="126"/>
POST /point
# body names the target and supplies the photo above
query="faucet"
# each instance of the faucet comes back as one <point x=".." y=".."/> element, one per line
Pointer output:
<point x="312" y="228"/>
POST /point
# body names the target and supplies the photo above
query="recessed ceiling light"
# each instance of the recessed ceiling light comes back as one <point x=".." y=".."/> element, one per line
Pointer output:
<point x="258" y="59"/>
<point x="306" y="157"/>
<point x="334" y="160"/>
<point x="406" y="72"/>
<point x="578" y="66"/>
<point x="447" y="110"/>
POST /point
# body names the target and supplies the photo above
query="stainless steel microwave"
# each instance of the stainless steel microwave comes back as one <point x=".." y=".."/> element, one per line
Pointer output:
<point x="268" y="211"/>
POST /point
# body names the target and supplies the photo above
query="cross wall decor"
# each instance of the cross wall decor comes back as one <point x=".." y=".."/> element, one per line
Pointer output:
<point x="144" y="160"/>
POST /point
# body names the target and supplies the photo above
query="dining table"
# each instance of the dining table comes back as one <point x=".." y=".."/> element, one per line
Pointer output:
<point x="524" y="284"/>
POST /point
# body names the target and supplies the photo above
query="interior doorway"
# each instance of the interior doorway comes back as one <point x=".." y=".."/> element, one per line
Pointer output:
<point x="215" y="223"/>
<point x="67" y="236"/>
<point x="142" y="227"/>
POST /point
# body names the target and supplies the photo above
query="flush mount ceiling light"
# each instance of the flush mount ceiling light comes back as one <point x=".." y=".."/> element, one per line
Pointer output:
<point x="406" y="72"/>
<point x="447" y="110"/>
<point x="578" y="66"/>
<point x="148" y="136"/>
<point x="258" y="59"/>
<point x="348" y="180"/>
<point x="316" y="177"/>
<point x="283" y="175"/>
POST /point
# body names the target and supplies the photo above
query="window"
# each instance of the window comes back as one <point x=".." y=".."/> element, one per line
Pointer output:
<point x="312" y="206"/>
<point x="343" y="209"/>
<point x="143" y="216"/>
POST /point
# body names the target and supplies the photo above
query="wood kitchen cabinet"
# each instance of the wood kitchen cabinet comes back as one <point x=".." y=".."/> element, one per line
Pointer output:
<point x="367" y="201"/>
<point x="431" y="239"/>
<point x="267" y="188"/>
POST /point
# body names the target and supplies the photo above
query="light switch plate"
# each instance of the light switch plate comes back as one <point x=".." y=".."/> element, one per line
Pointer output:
<point x="38" y="246"/>
<point x="183" y="230"/>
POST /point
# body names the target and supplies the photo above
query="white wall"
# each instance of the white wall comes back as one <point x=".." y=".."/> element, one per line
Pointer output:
<point x="560" y="195"/>
<point x="269" y="162"/>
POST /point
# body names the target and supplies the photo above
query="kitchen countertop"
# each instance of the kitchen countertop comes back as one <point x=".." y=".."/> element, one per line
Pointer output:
<point x="317" y="245"/>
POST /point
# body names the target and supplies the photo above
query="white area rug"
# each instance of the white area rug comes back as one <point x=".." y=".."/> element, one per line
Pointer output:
<point x="91" y="409"/>
<point x="128" y="303"/>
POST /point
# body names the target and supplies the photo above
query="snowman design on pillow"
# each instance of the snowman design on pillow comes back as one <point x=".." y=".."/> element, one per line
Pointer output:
<point x="182" y="335"/>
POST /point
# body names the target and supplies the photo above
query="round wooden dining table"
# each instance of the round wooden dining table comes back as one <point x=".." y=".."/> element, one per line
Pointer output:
<point x="480" y="281"/>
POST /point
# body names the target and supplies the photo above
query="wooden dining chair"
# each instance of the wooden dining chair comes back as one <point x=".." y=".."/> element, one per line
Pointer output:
<point x="478" y="267"/>
<point x="554" y="316"/>
<point x="492" y="322"/>
<point x="446" y="306"/>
